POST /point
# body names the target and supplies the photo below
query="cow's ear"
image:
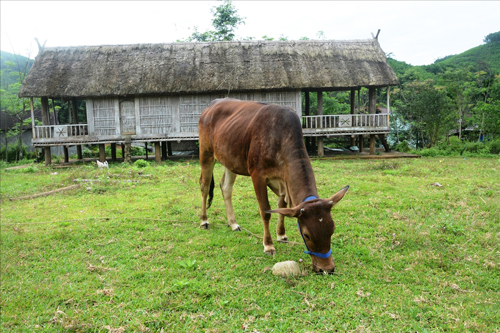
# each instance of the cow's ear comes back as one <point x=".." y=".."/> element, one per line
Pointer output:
<point x="289" y="212"/>
<point x="338" y="196"/>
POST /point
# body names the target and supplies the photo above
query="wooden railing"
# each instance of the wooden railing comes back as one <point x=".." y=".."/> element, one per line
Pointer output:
<point x="345" y="121"/>
<point x="60" y="131"/>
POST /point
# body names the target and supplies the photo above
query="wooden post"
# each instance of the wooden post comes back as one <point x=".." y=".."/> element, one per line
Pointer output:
<point x="169" y="146"/>
<point x="353" y="111"/>
<point x="157" y="152"/>
<point x="307" y="113"/>
<point x="372" y="107"/>
<point x="46" y="121"/>
<point x="70" y="118"/>
<point x="388" y="100"/>
<point x="146" y="148"/>
<point x="361" y="143"/>
<point x="127" y="146"/>
<point x="32" y="118"/>
<point x="321" y="151"/>
<point x="113" y="152"/>
<point x="372" y="144"/>
<point x="102" y="152"/>
<point x="75" y="121"/>
<point x="56" y="121"/>
<point x="163" y="150"/>
<point x="66" y="154"/>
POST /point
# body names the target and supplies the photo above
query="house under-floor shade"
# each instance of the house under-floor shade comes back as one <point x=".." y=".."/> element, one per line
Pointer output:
<point x="156" y="92"/>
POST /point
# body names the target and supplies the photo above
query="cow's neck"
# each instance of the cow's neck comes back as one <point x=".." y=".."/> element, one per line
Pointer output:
<point x="299" y="177"/>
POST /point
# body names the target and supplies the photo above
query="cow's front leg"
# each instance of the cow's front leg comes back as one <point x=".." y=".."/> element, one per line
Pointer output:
<point x="226" y="186"/>
<point x="280" y="227"/>
<point x="260" y="187"/>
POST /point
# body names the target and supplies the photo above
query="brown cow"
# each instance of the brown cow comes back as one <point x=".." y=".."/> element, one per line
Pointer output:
<point x="264" y="141"/>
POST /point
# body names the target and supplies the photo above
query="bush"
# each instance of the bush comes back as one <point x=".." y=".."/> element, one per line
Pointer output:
<point x="141" y="163"/>
<point x="12" y="151"/>
<point x="402" y="147"/>
<point x="494" y="146"/>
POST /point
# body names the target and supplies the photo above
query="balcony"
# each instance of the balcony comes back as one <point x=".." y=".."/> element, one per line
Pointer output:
<point x="345" y="124"/>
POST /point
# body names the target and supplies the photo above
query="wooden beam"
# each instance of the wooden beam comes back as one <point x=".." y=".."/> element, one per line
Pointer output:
<point x="169" y="146"/>
<point x="321" y="151"/>
<point x="102" y="152"/>
<point x="127" y="146"/>
<point x="163" y="150"/>
<point x="307" y="113"/>
<point x="113" y="152"/>
<point x="353" y="111"/>
<point x="75" y="121"/>
<point x="372" y="144"/>
<point x="48" y="156"/>
<point x="157" y="152"/>
<point x="372" y="100"/>
<point x="66" y="154"/>
<point x="32" y="117"/>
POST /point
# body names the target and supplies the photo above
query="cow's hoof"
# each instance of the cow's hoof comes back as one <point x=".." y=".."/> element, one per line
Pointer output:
<point x="204" y="225"/>
<point x="234" y="227"/>
<point x="269" y="250"/>
<point x="282" y="239"/>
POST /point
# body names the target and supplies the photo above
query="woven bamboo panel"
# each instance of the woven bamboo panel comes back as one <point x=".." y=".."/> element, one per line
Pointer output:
<point x="156" y="114"/>
<point x="104" y="117"/>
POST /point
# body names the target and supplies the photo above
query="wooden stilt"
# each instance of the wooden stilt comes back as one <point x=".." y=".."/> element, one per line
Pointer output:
<point x="102" y="153"/>
<point x="163" y="150"/>
<point x="157" y="152"/>
<point x="48" y="157"/>
<point x="66" y="154"/>
<point x="113" y="152"/>
<point x="307" y="113"/>
<point x="169" y="146"/>
<point x="361" y="143"/>
<point x="372" y="144"/>
<point x="321" y="151"/>
<point x="372" y="107"/>
<point x="127" y="147"/>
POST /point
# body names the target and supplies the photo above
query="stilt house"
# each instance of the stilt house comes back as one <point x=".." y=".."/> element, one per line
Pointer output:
<point x="156" y="92"/>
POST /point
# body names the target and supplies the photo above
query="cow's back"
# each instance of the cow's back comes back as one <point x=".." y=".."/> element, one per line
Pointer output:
<point x="245" y="134"/>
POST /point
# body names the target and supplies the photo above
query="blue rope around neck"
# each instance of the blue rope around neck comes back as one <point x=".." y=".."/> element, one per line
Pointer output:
<point x="317" y="254"/>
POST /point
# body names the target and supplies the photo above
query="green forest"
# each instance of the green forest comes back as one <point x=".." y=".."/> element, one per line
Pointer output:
<point x="454" y="102"/>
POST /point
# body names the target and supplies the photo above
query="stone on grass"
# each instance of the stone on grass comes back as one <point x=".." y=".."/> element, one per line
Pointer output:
<point x="286" y="268"/>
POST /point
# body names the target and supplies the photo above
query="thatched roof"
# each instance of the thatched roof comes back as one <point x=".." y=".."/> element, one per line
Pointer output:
<point x="146" y="69"/>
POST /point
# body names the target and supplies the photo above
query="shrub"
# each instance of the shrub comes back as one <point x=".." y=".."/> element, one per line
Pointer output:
<point x="141" y="163"/>
<point x="12" y="151"/>
<point x="430" y="152"/>
<point x="402" y="146"/>
<point x="494" y="146"/>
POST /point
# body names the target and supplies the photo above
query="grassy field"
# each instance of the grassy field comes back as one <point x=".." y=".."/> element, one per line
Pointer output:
<point x="123" y="253"/>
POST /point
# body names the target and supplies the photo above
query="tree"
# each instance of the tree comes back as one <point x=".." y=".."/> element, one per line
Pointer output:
<point x="16" y="108"/>
<point x="225" y="21"/>
<point x="426" y="108"/>
<point x="492" y="38"/>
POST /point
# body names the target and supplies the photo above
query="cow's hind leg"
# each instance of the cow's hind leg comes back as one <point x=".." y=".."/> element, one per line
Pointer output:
<point x="206" y="184"/>
<point x="226" y="186"/>
<point x="260" y="187"/>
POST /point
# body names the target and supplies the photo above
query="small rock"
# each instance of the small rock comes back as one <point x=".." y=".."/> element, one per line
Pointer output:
<point x="286" y="268"/>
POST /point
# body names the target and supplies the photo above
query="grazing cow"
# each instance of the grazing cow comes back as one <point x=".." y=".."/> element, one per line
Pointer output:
<point x="264" y="141"/>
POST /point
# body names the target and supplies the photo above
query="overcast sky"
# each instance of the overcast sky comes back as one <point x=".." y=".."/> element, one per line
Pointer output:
<point x="415" y="32"/>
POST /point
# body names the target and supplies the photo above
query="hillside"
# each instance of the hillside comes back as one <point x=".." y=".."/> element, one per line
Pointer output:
<point x="20" y="63"/>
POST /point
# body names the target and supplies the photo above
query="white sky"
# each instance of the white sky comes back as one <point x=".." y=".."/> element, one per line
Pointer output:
<point x="417" y="32"/>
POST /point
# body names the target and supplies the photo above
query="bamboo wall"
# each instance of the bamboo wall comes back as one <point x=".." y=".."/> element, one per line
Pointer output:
<point x="166" y="114"/>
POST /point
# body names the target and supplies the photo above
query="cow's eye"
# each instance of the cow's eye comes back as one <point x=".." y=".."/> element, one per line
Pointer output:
<point x="307" y="236"/>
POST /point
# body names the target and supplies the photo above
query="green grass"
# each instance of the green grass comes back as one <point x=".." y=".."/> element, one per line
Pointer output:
<point x="125" y="254"/>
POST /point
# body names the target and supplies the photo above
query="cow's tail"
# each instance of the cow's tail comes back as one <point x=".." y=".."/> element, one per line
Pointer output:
<point x="211" y="192"/>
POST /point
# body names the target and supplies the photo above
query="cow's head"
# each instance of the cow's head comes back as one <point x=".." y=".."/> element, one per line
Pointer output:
<point x="316" y="226"/>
